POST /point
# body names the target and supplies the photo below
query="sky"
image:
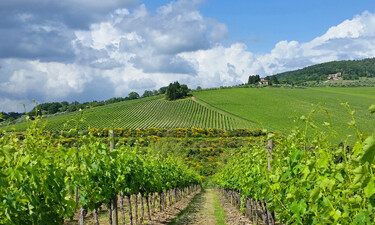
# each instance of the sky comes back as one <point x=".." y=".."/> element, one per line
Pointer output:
<point x="85" y="50"/>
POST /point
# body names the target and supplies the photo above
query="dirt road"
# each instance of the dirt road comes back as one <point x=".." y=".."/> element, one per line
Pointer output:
<point x="201" y="211"/>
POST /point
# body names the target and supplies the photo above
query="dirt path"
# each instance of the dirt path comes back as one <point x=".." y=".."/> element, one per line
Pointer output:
<point x="233" y="216"/>
<point x="201" y="211"/>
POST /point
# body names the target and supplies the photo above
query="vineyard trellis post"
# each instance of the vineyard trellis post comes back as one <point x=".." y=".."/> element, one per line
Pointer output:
<point x="270" y="217"/>
<point x="270" y="151"/>
<point x="114" y="199"/>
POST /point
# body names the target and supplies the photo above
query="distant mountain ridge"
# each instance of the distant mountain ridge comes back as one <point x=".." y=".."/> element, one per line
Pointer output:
<point x="350" y="69"/>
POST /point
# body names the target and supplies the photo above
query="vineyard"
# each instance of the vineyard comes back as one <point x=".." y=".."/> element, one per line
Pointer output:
<point x="64" y="172"/>
<point x="276" y="108"/>
<point x="304" y="179"/>
<point x="145" y="113"/>
<point x="46" y="182"/>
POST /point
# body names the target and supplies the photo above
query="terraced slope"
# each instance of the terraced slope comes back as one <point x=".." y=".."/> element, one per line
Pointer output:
<point x="147" y="112"/>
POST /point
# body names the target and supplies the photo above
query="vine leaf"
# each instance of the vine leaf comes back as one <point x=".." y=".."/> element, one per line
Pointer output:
<point x="370" y="188"/>
<point x="362" y="218"/>
<point x="369" y="150"/>
<point x="372" y="109"/>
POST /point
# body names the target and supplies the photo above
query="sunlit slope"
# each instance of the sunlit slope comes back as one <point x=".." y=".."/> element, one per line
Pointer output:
<point x="276" y="108"/>
<point x="145" y="113"/>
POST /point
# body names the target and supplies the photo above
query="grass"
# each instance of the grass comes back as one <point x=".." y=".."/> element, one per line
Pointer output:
<point x="219" y="211"/>
<point x="198" y="209"/>
<point x="276" y="108"/>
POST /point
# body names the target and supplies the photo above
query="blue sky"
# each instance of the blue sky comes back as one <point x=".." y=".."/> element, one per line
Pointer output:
<point x="262" y="24"/>
<point x="79" y="50"/>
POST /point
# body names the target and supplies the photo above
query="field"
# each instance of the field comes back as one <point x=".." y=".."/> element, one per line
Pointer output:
<point x="147" y="112"/>
<point x="276" y="108"/>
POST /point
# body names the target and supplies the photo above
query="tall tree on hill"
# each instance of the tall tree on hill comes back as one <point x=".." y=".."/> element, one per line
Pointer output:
<point x="133" y="95"/>
<point x="253" y="79"/>
<point x="163" y="90"/>
<point x="147" y="93"/>
<point x="176" y="91"/>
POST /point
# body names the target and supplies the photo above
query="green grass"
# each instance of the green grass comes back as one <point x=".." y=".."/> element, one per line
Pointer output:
<point x="276" y="108"/>
<point x="144" y="113"/>
<point x="219" y="211"/>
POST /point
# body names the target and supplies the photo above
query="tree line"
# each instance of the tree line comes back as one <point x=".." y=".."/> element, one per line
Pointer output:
<point x="56" y="107"/>
<point x="255" y="79"/>
<point x="350" y="69"/>
<point x="173" y="91"/>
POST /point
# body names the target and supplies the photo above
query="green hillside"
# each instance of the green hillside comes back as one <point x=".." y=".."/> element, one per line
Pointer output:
<point x="276" y="108"/>
<point x="350" y="69"/>
<point x="144" y="113"/>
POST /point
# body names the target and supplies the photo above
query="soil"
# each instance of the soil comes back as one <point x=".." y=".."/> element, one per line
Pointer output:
<point x="194" y="209"/>
<point x="233" y="215"/>
<point x="171" y="212"/>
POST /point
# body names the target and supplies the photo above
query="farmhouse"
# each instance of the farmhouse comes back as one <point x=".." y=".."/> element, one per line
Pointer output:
<point x="263" y="81"/>
<point x="335" y="76"/>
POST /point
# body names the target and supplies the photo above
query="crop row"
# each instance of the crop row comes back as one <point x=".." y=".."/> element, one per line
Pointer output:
<point x="158" y="113"/>
<point x="40" y="179"/>
<point x="304" y="180"/>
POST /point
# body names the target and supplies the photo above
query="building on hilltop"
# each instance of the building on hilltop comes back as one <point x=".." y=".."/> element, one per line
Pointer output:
<point x="335" y="76"/>
<point x="263" y="81"/>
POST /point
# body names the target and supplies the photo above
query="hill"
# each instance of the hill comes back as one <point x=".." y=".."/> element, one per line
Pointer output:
<point x="144" y="113"/>
<point x="350" y="69"/>
<point x="276" y="108"/>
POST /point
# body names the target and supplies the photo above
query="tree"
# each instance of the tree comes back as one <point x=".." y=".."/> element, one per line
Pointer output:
<point x="272" y="80"/>
<point x="133" y="95"/>
<point x="253" y="79"/>
<point x="163" y="90"/>
<point x="176" y="91"/>
<point x="53" y="107"/>
<point x="199" y="88"/>
<point x="147" y="93"/>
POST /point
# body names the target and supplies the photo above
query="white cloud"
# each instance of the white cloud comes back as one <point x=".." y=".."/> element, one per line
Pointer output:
<point x="15" y="105"/>
<point x="219" y="32"/>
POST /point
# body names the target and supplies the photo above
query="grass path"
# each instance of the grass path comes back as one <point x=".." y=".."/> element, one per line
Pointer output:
<point x="203" y="210"/>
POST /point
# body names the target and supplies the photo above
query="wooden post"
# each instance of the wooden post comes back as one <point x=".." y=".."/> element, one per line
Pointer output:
<point x="130" y="209"/>
<point x="122" y="209"/>
<point x="82" y="215"/>
<point x="77" y="191"/>
<point x="96" y="218"/>
<point x="270" y="219"/>
<point x="270" y="151"/>
<point x="114" y="199"/>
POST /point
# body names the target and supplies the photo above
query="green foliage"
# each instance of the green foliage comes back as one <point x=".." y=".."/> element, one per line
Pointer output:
<point x="272" y="80"/>
<point x="311" y="181"/>
<point x="133" y="95"/>
<point x="11" y="116"/>
<point x="163" y="90"/>
<point x="253" y="79"/>
<point x="372" y="109"/>
<point x="147" y="93"/>
<point x="351" y="70"/>
<point x="176" y="91"/>
<point x="38" y="176"/>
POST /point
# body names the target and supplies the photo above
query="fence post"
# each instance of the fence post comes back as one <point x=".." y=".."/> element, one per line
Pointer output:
<point x="270" y="151"/>
<point x="114" y="199"/>
<point x="269" y="215"/>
